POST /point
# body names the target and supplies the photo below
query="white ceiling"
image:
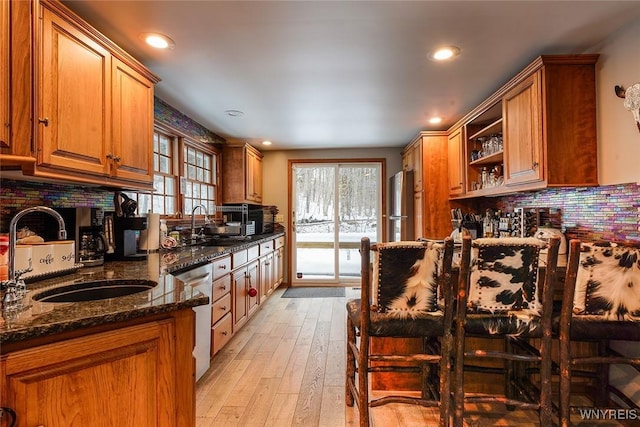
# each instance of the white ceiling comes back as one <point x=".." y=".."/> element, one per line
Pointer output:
<point x="330" y="74"/>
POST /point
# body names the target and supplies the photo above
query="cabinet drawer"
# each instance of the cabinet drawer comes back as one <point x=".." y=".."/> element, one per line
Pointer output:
<point x="266" y="247"/>
<point x="239" y="258"/>
<point x="279" y="242"/>
<point x="221" y="267"/>
<point x="253" y="252"/>
<point x="220" y="287"/>
<point x="221" y="333"/>
<point x="220" y="308"/>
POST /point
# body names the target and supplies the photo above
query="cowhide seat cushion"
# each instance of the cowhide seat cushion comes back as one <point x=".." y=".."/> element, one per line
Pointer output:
<point x="607" y="295"/>
<point x="406" y="301"/>
<point x="503" y="288"/>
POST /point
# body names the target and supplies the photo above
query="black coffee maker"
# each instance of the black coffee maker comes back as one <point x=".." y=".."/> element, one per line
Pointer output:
<point x="126" y="228"/>
<point x="92" y="245"/>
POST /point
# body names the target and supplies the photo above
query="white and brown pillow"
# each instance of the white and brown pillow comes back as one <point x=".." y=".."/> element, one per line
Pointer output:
<point x="608" y="282"/>
<point x="405" y="278"/>
<point x="504" y="275"/>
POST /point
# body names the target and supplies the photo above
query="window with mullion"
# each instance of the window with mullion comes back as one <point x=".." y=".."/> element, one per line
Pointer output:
<point x="164" y="177"/>
<point x="199" y="177"/>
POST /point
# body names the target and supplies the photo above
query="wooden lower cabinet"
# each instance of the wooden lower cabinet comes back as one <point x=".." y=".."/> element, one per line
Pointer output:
<point x="243" y="280"/>
<point x="221" y="304"/>
<point x="240" y="311"/>
<point x="267" y="276"/>
<point x="221" y="333"/>
<point x="140" y="375"/>
<point x="278" y="260"/>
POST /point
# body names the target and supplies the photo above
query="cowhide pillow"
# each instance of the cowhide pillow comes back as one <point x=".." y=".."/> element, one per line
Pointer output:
<point x="504" y="275"/>
<point x="405" y="278"/>
<point x="608" y="282"/>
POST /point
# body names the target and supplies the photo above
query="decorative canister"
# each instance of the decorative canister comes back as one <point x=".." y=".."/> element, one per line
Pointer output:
<point x="24" y="257"/>
<point x="42" y="259"/>
<point x="64" y="254"/>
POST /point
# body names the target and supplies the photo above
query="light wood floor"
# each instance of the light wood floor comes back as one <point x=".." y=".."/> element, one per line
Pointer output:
<point x="286" y="367"/>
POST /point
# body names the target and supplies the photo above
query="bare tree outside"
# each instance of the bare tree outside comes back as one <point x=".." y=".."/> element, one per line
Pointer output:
<point x="336" y="205"/>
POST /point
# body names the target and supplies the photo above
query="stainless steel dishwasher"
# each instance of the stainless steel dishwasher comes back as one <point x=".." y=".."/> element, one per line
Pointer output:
<point x="200" y="278"/>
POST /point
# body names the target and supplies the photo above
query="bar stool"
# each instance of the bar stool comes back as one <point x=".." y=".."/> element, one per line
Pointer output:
<point x="601" y="303"/>
<point x="410" y="296"/>
<point x="500" y="296"/>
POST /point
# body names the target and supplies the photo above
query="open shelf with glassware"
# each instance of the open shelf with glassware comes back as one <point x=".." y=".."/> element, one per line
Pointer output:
<point x="484" y="152"/>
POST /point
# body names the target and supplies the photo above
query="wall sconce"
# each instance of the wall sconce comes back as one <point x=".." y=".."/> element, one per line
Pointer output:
<point x="631" y="96"/>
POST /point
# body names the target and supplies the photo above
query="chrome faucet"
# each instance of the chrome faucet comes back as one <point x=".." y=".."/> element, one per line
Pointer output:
<point x="194" y="235"/>
<point x="15" y="286"/>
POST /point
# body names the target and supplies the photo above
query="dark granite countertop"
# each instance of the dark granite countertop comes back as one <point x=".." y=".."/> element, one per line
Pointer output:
<point x="39" y="319"/>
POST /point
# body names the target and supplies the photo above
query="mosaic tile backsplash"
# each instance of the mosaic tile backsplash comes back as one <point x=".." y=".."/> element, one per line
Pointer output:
<point x="589" y="213"/>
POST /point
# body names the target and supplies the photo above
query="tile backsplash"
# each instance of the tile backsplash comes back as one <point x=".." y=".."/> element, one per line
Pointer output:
<point x="16" y="195"/>
<point x="589" y="213"/>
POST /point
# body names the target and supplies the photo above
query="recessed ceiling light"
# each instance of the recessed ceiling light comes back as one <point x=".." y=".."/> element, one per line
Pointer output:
<point x="266" y="142"/>
<point x="234" y="113"/>
<point x="435" y="120"/>
<point x="157" y="40"/>
<point x="445" y="53"/>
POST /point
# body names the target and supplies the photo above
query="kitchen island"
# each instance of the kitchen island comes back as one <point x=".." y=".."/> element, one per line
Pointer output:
<point x="118" y="361"/>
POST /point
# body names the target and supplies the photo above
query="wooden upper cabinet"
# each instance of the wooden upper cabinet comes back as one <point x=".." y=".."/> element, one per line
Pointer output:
<point x="550" y="134"/>
<point x="132" y="128"/>
<point x="241" y="174"/>
<point x="73" y="98"/>
<point x="455" y="157"/>
<point x="546" y="116"/>
<point x="5" y="90"/>
<point x="254" y="176"/>
<point x="412" y="159"/>
<point x="522" y="127"/>
<point x="86" y="105"/>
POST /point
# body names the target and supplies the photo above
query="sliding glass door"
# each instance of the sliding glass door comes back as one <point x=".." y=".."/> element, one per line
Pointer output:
<point x="334" y="206"/>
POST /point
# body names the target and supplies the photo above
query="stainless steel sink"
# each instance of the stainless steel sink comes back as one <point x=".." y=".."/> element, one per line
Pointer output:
<point x="95" y="290"/>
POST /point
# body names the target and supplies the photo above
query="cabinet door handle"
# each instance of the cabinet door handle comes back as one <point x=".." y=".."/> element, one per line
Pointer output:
<point x="12" y="415"/>
<point x="44" y="121"/>
<point x="535" y="165"/>
<point x="223" y="267"/>
<point x="114" y="158"/>
<point x="224" y="333"/>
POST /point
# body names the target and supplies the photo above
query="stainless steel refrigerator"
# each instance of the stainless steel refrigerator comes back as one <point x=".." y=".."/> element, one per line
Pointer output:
<point x="401" y="216"/>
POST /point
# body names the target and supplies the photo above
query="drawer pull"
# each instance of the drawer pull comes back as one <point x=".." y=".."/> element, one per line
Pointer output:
<point x="223" y="287"/>
<point x="224" y="333"/>
<point x="223" y="308"/>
